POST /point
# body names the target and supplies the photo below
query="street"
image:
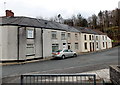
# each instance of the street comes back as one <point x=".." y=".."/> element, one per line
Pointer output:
<point x="82" y="63"/>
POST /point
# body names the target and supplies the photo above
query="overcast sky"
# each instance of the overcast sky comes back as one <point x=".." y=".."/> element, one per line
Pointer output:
<point x="51" y="8"/>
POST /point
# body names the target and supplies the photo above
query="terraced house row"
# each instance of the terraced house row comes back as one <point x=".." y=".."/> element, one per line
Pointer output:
<point x="23" y="38"/>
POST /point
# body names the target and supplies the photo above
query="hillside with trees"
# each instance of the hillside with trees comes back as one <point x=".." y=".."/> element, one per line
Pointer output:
<point x="106" y="21"/>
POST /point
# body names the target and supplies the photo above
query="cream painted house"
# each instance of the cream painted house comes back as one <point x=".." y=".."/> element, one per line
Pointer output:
<point x="23" y="38"/>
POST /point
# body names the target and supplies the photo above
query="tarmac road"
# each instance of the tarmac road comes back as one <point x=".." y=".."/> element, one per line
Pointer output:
<point x="82" y="63"/>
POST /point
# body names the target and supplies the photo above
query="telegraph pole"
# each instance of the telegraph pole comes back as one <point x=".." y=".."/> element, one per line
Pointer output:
<point x="4" y="7"/>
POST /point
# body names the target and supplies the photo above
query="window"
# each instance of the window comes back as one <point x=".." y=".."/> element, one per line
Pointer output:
<point x="30" y="33"/>
<point x="76" y="37"/>
<point x="55" y="47"/>
<point x="65" y="51"/>
<point x="96" y="37"/>
<point x="85" y="44"/>
<point x="106" y="37"/>
<point x="92" y="37"/>
<point x="89" y="37"/>
<point x="103" y="44"/>
<point x="85" y="37"/>
<point x="69" y="35"/>
<point x="76" y="46"/>
<point x="30" y="50"/>
<point x="97" y="44"/>
<point x="62" y="35"/>
<point x="64" y="43"/>
<point x="103" y="37"/>
<point x="54" y="34"/>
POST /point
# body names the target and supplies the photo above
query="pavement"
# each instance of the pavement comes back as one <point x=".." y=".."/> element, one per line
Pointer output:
<point x="25" y="62"/>
<point x="100" y="74"/>
<point x="46" y="58"/>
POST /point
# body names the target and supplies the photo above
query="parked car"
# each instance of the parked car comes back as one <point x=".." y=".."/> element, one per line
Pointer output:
<point x="64" y="53"/>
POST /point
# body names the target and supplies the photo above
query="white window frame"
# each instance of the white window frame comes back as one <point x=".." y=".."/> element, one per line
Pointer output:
<point x="69" y="35"/>
<point x="76" y="36"/>
<point x="63" y="37"/>
<point x="55" y="45"/>
<point x="53" y="34"/>
<point x="29" y="46"/>
<point x="30" y="34"/>
<point x="85" y="45"/>
<point x="76" y="46"/>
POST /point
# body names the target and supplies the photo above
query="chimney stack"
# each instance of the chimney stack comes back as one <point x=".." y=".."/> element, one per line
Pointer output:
<point x="9" y="13"/>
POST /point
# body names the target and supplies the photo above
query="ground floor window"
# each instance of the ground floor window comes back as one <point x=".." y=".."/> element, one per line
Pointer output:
<point x="55" y="47"/>
<point x="97" y="44"/>
<point x="69" y="45"/>
<point x="103" y="44"/>
<point x="85" y="44"/>
<point x="30" y="49"/>
<point x="76" y="46"/>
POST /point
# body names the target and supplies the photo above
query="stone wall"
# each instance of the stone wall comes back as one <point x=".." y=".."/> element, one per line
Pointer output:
<point x="115" y="74"/>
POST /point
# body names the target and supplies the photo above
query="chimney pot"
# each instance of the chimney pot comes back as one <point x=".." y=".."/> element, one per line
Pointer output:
<point x="9" y="13"/>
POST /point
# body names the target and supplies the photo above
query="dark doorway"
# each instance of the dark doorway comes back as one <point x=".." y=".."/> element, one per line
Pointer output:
<point x="93" y="47"/>
<point x="90" y="46"/>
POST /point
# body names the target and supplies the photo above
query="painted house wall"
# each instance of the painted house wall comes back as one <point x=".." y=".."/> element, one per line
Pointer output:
<point x="9" y="43"/>
<point x="22" y="43"/>
<point x="72" y="40"/>
<point x="0" y="42"/>
<point x="47" y="43"/>
<point x="83" y="41"/>
<point x="102" y="40"/>
<point x="38" y="43"/>
<point x="109" y="42"/>
<point x="97" y="42"/>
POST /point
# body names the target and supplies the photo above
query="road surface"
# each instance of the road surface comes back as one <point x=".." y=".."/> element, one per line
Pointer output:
<point x="82" y="63"/>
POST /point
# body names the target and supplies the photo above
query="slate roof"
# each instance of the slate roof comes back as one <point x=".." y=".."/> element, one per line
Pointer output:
<point x="86" y="30"/>
<point x="99" y="32"/>
<point x="37" y="23"/>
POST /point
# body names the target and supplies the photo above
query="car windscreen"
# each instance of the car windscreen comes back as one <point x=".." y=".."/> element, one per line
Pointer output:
<point x="58" y="51"/>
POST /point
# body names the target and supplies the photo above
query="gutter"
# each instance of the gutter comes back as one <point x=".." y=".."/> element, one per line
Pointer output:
<point x="42" y="40"/>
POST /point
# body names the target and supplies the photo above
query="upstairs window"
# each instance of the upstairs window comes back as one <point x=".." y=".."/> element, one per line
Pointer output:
<point x="96" y="37"/>
<point x="30" y="33"/>
<point x="69" y="35"/>
<point x="62" y="35"/>
<point x="92" y="37"/>
<point x="85" y="37"/>
<point x="54" y="34"/>
<point x="106" y="37"/>
<point x="103" y="37"/>
<point x="76" y="37"/>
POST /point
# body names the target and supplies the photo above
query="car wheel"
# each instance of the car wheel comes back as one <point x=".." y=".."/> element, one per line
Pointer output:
<point x="63" y="57"/>
<point x="75" y="55"/>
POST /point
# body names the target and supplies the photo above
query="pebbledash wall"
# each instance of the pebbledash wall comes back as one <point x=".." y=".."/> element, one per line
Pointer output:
<point x="22" y="41"/>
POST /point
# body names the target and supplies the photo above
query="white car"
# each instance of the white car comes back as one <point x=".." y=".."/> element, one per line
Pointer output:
<point x="64" y="53"/>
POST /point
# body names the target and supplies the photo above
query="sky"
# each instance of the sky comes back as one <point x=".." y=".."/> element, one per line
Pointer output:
<point x="51" y="8"/>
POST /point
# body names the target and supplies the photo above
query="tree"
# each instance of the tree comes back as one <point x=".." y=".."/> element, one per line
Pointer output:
<point x="84" y="23"/>
<point x="79" y="19"/>
<point x="94" y="21"/>
<point x="100" y="16"/>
